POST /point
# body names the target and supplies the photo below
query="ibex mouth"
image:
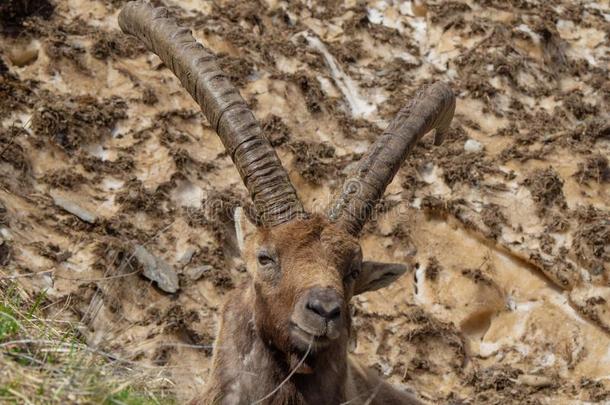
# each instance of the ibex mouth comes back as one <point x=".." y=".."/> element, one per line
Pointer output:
<point x="303" y="336"/>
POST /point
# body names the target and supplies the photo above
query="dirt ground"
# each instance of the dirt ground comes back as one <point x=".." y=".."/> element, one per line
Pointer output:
<point x="507" y="225"/>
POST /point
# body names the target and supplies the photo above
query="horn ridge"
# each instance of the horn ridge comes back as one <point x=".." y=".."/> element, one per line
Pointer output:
<point x="432" y="108"/>
<point x="225" y="109"/>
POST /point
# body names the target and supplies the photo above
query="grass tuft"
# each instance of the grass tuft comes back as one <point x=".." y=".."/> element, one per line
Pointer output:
<point x="46" y="361"/>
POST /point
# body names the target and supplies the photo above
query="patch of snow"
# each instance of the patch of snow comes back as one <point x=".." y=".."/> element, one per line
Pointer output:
<point x="420" y="30"/>
<point x="524" y="350"/>
<point x="406" y="8"/>
<point x="603" y="10"/>
<point x="6" y="234"/>
<point x="487" y="349"/>
<point x="407" y="57"/>
<point x="359" y="106"/>
<point x="564" y="25"/>
<point x="420" y="276"/>
<point x="374" y="15"/>
<point x="431" y="175"/>
<point x="561" y="301"/>
<point x="547" y="360"/>
<point x="473" y="146"/>
<point x="188" y="194"/>
<point x="525" y="29"/>
<point x="110" y="183"/>
<point x="98" y="151"/>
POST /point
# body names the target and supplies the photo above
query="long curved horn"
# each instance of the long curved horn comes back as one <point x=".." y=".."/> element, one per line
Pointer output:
<point x="432" y="108"/>
<point x="274" y="197"/>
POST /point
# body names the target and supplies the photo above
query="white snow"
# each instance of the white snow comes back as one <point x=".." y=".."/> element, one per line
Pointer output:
<point x="359" y="106"/>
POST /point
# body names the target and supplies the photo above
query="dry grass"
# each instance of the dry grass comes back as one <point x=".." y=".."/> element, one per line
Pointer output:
<point x="45" y="361"/>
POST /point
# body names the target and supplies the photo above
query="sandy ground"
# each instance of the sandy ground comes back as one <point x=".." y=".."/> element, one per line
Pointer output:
<point x="507" y="225"/>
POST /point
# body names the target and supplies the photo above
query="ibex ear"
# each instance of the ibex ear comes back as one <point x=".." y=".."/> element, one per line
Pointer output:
<point x="243" y="227"/>
<point x="375" y="275"/>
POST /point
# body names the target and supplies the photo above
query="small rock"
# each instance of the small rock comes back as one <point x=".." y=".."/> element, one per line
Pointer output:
<point x="47" y="282"/>
<point x="386" y="368"/>
<point x="195" y="273"/>
<point x="155" y="62"/>
<point x="532" y="380"/>
<point x="74" y="209"/>
<point x="23" y="55"/>
<point x="472" y="146"/>
<point x="157" y="270"/>
<point x="187" y="256"/>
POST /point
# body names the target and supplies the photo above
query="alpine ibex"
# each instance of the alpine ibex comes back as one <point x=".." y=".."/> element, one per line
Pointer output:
<point x="283" y="337"/>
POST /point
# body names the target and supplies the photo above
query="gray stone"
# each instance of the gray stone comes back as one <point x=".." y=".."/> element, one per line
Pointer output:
<point x="187" y="256"/>
<point x="157" y="270"/>
<point x="74" y="209"/>
<point x="195" y="273"/>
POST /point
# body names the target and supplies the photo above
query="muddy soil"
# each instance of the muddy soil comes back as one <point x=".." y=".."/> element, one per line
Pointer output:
<point x="506" y="226"/>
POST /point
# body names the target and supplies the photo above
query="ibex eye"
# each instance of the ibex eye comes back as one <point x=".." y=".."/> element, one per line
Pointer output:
<point x="264" y="259"/>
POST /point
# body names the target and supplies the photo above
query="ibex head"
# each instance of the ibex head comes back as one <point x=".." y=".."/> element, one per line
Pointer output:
<point x="304" y="272"/>
<point x="305" y="268"/>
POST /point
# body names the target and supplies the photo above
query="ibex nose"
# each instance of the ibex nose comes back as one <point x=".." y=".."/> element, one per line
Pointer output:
<point x="324" y="302"/>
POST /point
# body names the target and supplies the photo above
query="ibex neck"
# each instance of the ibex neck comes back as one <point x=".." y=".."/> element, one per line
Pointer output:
<point x="246" y="368"/>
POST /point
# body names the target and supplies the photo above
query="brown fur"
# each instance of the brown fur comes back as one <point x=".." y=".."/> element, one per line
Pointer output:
<point x="255" y="350"/>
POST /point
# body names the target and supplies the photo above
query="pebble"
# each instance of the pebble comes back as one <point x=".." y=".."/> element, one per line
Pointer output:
<point x="74" y="209"/>
<point x="195" y="273"/>
<point x="472" y="146"/>
<point x="157" y="270"/>
<point x="187" y="256"/>
<point x="23" y="55"/>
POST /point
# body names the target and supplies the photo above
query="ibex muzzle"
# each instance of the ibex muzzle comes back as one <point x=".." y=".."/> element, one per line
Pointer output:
<point x="317" y="317"/>
<point x="324" y="303"/>
<point x="283" y="338"/>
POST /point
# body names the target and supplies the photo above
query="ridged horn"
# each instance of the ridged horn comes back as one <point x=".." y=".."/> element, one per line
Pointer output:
<point x="274" y="197"/>
<point x="432" y="108"/>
